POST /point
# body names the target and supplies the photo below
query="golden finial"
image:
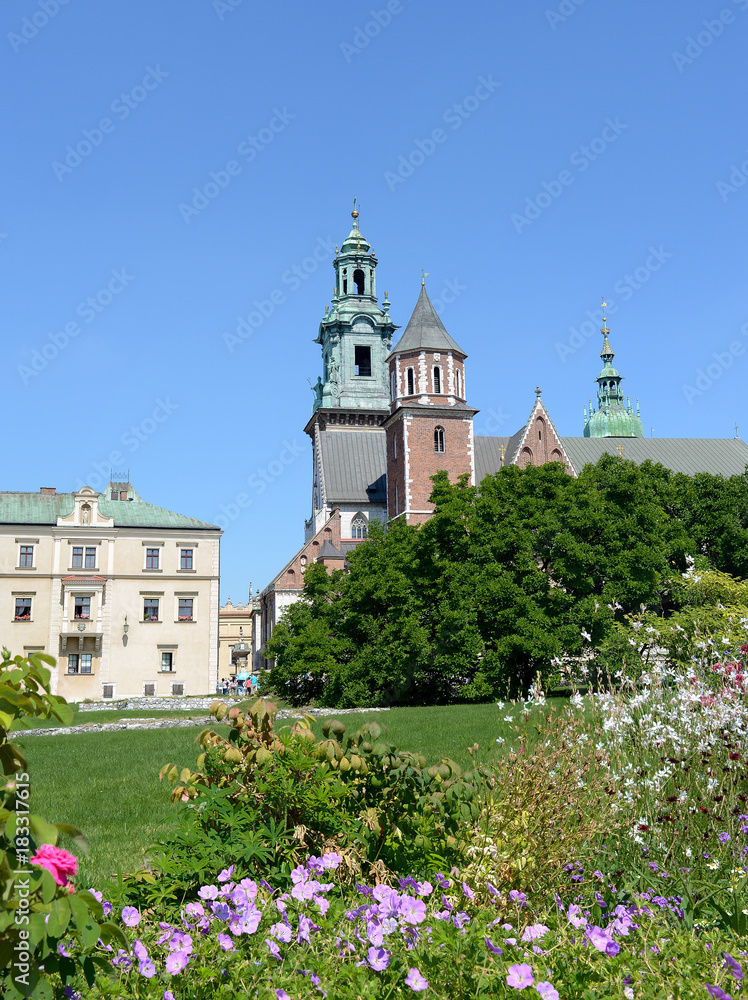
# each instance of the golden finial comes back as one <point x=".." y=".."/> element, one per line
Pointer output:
<point x="619" y="449"/>
<point x="354" y="213"/>
<point x="503" y="452"/>
<point x="604" y="329"/>
<point x="424" y="275"/>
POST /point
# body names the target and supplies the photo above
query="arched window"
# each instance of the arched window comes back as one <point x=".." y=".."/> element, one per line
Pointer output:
<point x="345" y="281"/>
<point x="359" y="281"/>
<point x="459" y="383"/>
<point x="358" y="526"/>
<point x="411" y="386"/>
<point x="439" y="439"/>
<point x="526" y="457"/>
<point x="437" y="380"/>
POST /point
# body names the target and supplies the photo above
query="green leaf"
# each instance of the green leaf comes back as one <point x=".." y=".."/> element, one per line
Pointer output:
<point x="111" y="932"/>
<point x="74" y="833"/>
<point x="49" y="886"/>
<point x="59" y="917"/>
<point x="44" y="832"/>
<point x="80" y="912"/>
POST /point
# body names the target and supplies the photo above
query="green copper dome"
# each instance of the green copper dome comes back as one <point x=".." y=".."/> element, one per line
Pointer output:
<point x="613" y="417"/>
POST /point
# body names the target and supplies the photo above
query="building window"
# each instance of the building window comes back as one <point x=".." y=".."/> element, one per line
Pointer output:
<point x="394" y="445"/>
<point x="151" y="558"/>
<point x="107" y="691"/>
<point x="439" y="439"/>
<point x="26" y="560"/>
<point x="359" y="281"/>
<point x="411" y="385"/>
<point x="185" y="609"/>
<point x="167" y="662"/>
<point x="437" y="380"/>
<point x="185" y="559"/>
<point x="90" y="557"/>
<point x="177" y="689"/>
<point x="82" y="607"/>
<point x="149" y="690"/>
<point x="150" y="609"/>
<point x="392" y="386"/>
<point x="23" y="609"/>
<point x="362" y="360"/>
<point x="358" y="526"/>
<point x="459" y="383"/>
<point x="80" y="663"/>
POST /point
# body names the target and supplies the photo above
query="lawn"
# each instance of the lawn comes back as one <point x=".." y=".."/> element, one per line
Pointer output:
<point x="107" y="783"/>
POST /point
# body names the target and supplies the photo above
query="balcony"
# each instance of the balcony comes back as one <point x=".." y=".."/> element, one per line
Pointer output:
<point x="75" y="633"/>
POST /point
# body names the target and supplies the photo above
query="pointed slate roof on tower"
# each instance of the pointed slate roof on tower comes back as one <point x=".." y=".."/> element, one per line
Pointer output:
<point x="425" y="331"/>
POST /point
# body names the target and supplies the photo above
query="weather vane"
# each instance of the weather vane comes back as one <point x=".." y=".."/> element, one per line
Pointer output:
<point x="424" y="275"/>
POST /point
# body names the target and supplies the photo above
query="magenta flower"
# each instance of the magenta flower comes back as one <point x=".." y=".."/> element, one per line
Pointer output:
<point x="547" y="991"/>
<point x="415" y="980"/>
<point x="225" y="942"/>
<point x="534" y="932"/>
<point x="130" y="916"/>
<point x="519" y="976"/>
<point x="378" y="958"/>
<point x="60" y="863"/>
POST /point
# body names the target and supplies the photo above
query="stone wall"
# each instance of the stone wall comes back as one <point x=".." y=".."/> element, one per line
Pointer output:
<point x="156" y="704"/>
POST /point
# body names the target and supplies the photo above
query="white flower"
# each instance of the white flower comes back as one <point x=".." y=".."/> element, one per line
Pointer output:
<point x="628" y="993"/>
<point x="501" y="705"/>
<point x="586" y="635"/>
<point x="508" y="718"/>
<point x="576" y="700"/>
<point x="500" y="739"/>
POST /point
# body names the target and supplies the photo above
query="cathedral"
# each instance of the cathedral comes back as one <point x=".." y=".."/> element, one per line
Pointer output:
<point x="385" y="419"/>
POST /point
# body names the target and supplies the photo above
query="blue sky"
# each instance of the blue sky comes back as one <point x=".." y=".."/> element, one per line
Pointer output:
<point x="530" y="156"/>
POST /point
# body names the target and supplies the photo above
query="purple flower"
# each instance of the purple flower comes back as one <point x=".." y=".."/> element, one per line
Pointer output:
<point x="273" y="948"/>
<point x="130" y="916"/>
<point x="70" y="992"/>
<point x="331" y="860"/>
<point x="734" y="966"/>
<point x="299" y="875"/>
<point x="723" y="837"/>
<point x="168" y="995"/>
<point x="519" y="976"/>
<point x="139" y="950"/>
<point x="412" y="910"/>
<point x="576" y="917"/>
<point x="492" y="889"/>
<point x="492" y="947"/>
<point x="547" y="991"/>
<point x="225" y="942"/>
<point x="282" y="932"/>
<point x="602" y="940"/>
<point x="423" y="888"/>
<point x="193" y="910"/>
<point x="226" y="874"/>
<point x="534" y="932"/>
<point x="717" y="993"/>
<point x="379" y="958"/>
<point x="468" y="891"/>
<point x="221" y="911"/>
<point x="208" y="892"/>
<point x="281" y="995"/>
<point x="520" y="898"/>
<point x="415" y="980"/>
<point x="176" y="961"/>
<point x="147" y="969"/>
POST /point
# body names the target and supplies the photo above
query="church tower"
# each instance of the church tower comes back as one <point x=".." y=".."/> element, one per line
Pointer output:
<point x="613" y="417"/>
<point x="430" y="426"/>
<point x="351" y="398"/>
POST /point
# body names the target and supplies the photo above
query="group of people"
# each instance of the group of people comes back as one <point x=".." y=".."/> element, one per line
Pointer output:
<point x="237" y="688"/>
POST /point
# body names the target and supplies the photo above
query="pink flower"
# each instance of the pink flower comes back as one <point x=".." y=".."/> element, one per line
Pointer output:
<point x="415" y="980"/>
<point x="519" y="976"/>
<point x="60" y="863"/>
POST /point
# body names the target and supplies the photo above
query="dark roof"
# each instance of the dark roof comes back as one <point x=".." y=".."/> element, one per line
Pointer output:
<point x="425" y="331"/>
<point x="354" y="466"/>
<point x="329" y="551"/>
<point x="720" y="456"/>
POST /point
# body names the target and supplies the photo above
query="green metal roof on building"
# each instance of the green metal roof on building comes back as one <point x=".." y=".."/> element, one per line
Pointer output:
<point x="45" y="508"/>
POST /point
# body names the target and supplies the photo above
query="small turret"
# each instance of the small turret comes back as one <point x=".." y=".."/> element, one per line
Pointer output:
<point x="613" y="417"/>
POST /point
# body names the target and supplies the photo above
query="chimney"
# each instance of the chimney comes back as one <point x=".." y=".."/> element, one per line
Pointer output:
<point x="48" y="491"/>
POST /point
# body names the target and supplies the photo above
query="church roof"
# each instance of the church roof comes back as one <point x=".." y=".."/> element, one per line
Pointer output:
<point x="354" y="466"/>
<point x="719" y="456"/>
<point x="425" y="331"/>
<point x="329" y="551"/>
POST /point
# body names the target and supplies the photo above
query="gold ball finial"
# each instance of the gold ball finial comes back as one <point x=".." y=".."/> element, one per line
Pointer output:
<point x="354" y="213"/>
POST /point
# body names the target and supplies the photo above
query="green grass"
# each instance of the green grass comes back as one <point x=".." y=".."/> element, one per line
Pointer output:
<point x="107" y="783"/>
<point x="112" y="715"/>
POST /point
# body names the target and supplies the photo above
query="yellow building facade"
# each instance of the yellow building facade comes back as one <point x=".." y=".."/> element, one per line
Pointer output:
<point x="122" y="593"/>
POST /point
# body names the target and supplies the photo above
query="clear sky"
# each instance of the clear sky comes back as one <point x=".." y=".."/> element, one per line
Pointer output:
<point x="531" y="156"/>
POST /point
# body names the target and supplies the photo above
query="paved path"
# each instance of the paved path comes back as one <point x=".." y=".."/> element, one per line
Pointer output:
<point x="113" y="727"/>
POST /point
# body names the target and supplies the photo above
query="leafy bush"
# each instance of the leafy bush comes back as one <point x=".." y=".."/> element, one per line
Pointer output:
<point x="263" y="797"/>
<point x="39" y="905"/>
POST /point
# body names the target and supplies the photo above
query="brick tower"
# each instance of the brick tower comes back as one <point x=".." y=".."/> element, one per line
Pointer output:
<point x="430" y="426"/>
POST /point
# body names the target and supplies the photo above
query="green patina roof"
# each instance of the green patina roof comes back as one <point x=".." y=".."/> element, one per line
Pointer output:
<point x="43" y="508"/>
